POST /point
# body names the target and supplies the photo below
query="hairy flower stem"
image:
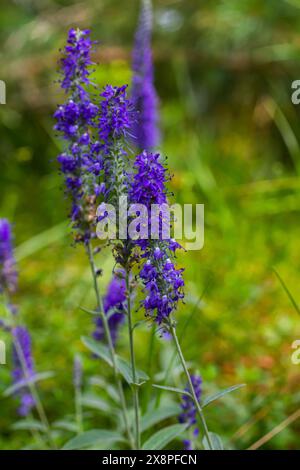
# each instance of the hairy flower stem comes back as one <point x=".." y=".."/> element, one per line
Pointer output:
<point x="134" y="386"/>
<point x="183" y="363"/>
<point x="110" y="343"/>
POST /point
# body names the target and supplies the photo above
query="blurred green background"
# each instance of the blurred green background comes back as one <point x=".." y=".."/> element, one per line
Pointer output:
<point x="223" y="72"/>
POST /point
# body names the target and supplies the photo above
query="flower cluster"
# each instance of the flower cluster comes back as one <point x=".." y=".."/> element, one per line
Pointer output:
<point x="149" y="182"/>
<point x="8" y="273"/>
<point x="163" y="282"/>
<point x="80" y="163"/>
<point x="189" y="412"/>
<point x="145" y="129"/>
<point x="77" y="59"/>
<point x="113" y="304"/>
<point x="116" y="115"/>
<point x="23" y="367"/>
<point x="115" y="122"/>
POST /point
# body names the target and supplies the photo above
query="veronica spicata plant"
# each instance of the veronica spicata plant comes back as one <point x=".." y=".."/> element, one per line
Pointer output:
<point x="93" y="134"/>
<point x="99" y="167"/>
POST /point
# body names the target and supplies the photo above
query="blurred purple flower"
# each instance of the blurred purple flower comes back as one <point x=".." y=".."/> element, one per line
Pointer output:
<point x="144" y="97"/>
<point x="113" y="304"/>
<point x="189" y="411"/>
<point x="8" y="273"/>
<point x="22" y="338"/>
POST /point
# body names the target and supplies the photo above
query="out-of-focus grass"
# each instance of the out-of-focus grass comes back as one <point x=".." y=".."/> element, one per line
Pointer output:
<point x="231" y="136"/>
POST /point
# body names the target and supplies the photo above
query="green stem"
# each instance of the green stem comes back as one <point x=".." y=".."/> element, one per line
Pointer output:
<point x="135" y="391"/>
<point x="110" y="344"/>
<point x="148" y="386"/>
<point x="78" y="409"/>
<point x="197" y="404"/>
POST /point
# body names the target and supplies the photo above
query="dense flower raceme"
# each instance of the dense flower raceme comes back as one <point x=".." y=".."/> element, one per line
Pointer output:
<point x="114" y="127"/>
<point x="8" y="273"/>
<point x="94" y="162"/>
<point x="77" y="59"/>
<point x="80" y="163"/>
<point x="22" y="359"/>
<point x="145" y="129"/>
<point x="114" y="306"/>
<point x="163" y="282"/>
<point x="189" y="411"/>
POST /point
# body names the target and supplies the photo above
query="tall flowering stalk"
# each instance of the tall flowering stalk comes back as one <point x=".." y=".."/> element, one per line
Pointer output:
<point x="115" y="123"/>
<point x="143" y="93"/>
<point x="162" y="281"/>
<point x="80" y="163"/>
<point x="23" y="371"/>
<point x="86" y="176"/>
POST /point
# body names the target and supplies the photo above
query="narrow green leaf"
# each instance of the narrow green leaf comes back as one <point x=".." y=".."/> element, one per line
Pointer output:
<point x="92" y="401"/>
<point x="173" y="389"/>
<point x="28" y="425"/>
<point x="92" y="438"/>
<point x="216" y="442"/>
<point x="160" y="439"/>
<point x="26" y="382"/>
<point x="40" y="241"/>
<point x="125" y="369"/>
<point x="98" y="349"/>
<point x="153" y="417"/>
<point x="123" y="366"/>
<point x="220" y="394"/>
<point x="287" y="291"/>
<point x="65" y="425"/>
<point x="92" y="312"/>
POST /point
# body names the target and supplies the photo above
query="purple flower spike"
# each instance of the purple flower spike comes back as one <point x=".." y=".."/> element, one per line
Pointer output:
<point x="145" y="129"/>
<point x="22" y="337"/>
<point x="113" y="304"/>
<point x="163" y="282"/>
<point x="77" y="58"/>
<point x="80" y="163"/>
<point x="189" y="411"/>
<point x="148" y="186"/>
<point x="8" y="273"/>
